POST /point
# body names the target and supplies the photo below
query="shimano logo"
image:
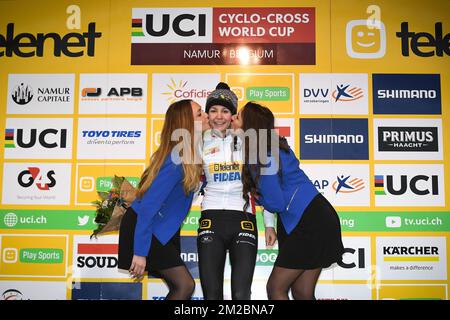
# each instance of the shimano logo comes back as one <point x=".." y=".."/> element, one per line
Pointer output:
<point x="334" y="138"/>
<point x="406" y="94"/>
<point x="114" y="134"/>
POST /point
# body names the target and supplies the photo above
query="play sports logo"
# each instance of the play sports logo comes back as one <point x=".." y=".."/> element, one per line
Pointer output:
<point x="364" y="40"/>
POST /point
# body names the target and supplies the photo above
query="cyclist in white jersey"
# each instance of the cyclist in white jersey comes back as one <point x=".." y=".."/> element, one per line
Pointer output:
<point x="223" y="225"/>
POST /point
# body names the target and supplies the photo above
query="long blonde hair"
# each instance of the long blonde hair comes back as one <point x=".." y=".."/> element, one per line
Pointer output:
<point x="179" y="115"/>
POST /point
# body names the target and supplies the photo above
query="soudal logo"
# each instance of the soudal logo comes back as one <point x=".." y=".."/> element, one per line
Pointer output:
<point x="33" y="175"/>
<point x="420" y="185"/>
<point x="110" y="133"/>
<point x="112" y="92"/>
<point x="102" y="256"/>
<point x="353" y="258"/>
<point x="28" y="138"/>
<point x="348" y="184"/>
<point x="406" y="94"/>
<point x="404" y="139"/>
<point x="69" y="44"/>
<point x="180" y="89"/>
<point x="22" y="94"/>
<point x="435" y="45"/>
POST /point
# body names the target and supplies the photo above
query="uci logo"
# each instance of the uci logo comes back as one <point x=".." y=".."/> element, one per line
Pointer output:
<point x="174" y="25"/>
<point x="47" y="138"/>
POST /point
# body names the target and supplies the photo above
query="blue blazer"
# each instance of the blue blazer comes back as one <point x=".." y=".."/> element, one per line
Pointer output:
<point x="288" y="195"/>
<point x="162" y="209"/>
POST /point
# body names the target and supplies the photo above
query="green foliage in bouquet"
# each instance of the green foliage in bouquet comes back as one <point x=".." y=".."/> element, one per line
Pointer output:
<point x="107" y="203"/>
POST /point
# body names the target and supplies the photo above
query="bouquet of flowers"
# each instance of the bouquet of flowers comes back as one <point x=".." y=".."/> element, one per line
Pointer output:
<point x="112" y="205"/>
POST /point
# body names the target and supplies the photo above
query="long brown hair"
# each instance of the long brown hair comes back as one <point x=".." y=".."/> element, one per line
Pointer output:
<point x="256" y="116"/>
<point x="178" y="116"/>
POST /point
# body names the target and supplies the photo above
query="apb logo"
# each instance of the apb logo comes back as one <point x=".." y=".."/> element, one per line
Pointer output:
<point x="22" y="94"/>
<point x="333" y="93"/>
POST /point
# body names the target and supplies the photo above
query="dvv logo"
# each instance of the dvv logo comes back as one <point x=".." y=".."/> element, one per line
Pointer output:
<point x="406" y="94"/>
<point x="344" y="92"/>
<point x="332" y="93"/>
<point x="334" y="139"/>
<point x="364" y="41"/>
<point x="419" y="185"/>
<point x="22" y="94"/>
<point x="348" y="184"/>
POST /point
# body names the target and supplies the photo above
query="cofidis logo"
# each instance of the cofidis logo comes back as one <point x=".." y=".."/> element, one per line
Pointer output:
<point x="406" y="94"/>
<point x="339" y="139"/>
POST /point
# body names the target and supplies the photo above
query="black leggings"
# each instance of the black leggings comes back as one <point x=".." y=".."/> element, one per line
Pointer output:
<point x="219" y="231"/>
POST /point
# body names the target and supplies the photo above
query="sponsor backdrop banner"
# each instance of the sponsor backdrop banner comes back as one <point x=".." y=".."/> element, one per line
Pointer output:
<point x="360" y="92"/>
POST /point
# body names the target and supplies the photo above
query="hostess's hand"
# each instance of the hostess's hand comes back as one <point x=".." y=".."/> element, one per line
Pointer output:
<point x="271" y="236"/>
<point x="137" y="268"/>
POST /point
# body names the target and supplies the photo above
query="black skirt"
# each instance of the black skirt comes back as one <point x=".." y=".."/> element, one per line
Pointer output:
<point x="315" y="242"/>
<point x="159" y="256"/>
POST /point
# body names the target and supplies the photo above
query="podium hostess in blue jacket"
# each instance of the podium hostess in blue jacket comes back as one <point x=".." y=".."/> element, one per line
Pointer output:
<point x="309" y="234"/>
<point x="149" y="236"/>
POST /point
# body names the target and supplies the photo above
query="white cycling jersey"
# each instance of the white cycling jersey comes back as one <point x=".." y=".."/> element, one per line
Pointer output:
<point x="222" y="166"/>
